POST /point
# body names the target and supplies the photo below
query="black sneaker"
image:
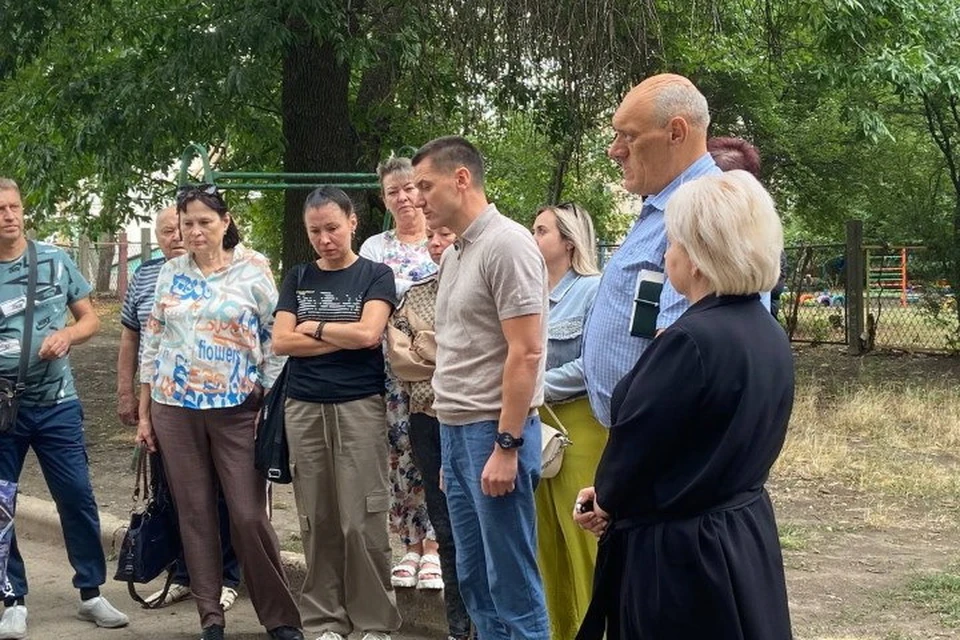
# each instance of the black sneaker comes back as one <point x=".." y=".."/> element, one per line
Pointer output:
<point x="286" y="633"/>
<point x="213" y="632"/>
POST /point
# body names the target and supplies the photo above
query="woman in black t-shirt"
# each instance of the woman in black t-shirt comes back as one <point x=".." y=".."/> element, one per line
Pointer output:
<point x="330" y="320"/>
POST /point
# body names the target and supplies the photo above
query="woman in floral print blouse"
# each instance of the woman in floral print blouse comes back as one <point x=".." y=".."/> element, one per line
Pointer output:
<point x="404" y="249"/>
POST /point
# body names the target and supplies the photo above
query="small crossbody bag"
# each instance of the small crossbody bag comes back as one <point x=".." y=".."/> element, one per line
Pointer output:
<point x="11" y="392"/>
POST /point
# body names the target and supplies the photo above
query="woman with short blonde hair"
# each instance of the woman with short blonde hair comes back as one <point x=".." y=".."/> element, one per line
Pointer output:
<point x="690" y="539"/>
<point x="729" y="227"/>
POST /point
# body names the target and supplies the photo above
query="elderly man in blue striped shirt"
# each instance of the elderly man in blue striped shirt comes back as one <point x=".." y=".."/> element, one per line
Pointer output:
<point x="661" y="142"/>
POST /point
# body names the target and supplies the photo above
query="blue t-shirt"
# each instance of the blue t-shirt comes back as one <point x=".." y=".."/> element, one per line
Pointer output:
<point x="59" y="284"/>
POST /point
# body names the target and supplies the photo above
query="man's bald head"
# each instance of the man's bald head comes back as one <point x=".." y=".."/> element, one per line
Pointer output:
<point x="661" y="130"/>
<point x="671" y="96"/>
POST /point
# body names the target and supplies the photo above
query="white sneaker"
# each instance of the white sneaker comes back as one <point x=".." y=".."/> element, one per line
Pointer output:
<point x="176" y="593"/>
<point x="228" y="595"/>
<point x="13" y="624"/>
<point x="330" y="635"/>
<point x="99" y="611"/>
<point x="376" y="635"/>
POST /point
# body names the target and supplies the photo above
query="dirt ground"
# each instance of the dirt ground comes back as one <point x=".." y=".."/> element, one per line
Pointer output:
<point x="848" y="570"/>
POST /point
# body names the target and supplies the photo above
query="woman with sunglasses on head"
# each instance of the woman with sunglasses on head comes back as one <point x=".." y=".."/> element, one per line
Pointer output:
<point x="206" y="363"/>
<point x="565" y="236"/>
<point x="330" y="321"/>
<point x="404" y="249"/>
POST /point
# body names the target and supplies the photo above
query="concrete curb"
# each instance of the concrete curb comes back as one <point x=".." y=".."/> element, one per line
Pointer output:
<point x="38" y="519"/>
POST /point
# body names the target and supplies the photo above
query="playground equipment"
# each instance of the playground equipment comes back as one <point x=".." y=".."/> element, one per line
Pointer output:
<point x="278" y="181"/>
<point x="887" y="271"/>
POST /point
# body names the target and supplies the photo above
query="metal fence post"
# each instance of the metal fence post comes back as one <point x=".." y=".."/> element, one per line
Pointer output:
<point x="855" y="285"/>
<point x="146" y="244"/>
<point x="122" y="266"/>
<point x="84" y="257"/>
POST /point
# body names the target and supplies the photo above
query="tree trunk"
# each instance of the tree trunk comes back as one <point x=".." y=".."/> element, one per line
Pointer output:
<point x="563" y="158"/>
<point x="955" y="254"/>
<point x="317" y="130"/>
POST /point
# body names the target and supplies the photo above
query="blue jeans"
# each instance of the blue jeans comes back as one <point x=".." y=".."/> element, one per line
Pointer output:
<point x="495" y="537"/>
<point x="56" y="435"/>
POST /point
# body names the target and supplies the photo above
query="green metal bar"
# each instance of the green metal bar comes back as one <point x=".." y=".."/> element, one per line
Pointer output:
<point x="186" y="159"/>
<point x="296" y="176"/>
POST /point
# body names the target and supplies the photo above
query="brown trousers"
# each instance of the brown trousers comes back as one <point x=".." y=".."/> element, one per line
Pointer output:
<point x="201" y="448"/>
<point x="338" y="456"/>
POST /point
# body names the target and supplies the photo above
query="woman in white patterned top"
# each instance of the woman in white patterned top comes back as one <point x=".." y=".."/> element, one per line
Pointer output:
<point x="404" y="249"/>
<point x="206" y="361"/>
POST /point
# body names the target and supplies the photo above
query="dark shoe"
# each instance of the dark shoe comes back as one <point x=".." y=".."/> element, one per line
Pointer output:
<point x="286" y="633"/>
<point x="213" y="632"/>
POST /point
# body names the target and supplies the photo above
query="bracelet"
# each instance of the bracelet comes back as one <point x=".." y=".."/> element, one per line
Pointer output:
<point x="318" y="332"/>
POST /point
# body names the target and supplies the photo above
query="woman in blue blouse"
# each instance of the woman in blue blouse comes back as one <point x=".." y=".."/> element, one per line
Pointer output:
<point x="567" y="241"/>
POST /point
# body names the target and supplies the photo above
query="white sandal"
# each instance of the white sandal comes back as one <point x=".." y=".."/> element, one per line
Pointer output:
<point x="228" y="595"/>
<point x="410" y="564"/>
<point x="429" y="577"/>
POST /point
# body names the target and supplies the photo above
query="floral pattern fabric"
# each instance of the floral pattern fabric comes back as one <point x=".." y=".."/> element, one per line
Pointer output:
<point x="408" y="508"/>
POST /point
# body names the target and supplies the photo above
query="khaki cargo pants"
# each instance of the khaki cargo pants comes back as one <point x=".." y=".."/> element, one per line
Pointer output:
<point x="338" y="459"/>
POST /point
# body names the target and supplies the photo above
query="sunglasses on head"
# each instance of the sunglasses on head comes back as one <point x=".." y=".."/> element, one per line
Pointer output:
<point x="187" y="190"/>
<point x="569" y="206"/>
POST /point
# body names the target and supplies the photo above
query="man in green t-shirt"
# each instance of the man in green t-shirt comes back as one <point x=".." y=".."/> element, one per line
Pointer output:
<point x="50" y="418"/>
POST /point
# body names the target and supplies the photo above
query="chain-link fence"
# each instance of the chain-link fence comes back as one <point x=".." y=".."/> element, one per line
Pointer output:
<point x="813" y="303"/>
<point x="108" y="266"/>
<point x="908" y="300"/>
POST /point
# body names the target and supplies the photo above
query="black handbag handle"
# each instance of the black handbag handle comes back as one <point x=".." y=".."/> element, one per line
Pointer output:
<point x="142" y="488"/>
<point x="32" y="268"/>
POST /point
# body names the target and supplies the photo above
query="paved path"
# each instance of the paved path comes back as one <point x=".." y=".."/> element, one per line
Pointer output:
<point x="52" y="605"/>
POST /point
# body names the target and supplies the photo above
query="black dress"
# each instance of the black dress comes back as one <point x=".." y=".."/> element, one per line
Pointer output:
<point x="692" y="550"/>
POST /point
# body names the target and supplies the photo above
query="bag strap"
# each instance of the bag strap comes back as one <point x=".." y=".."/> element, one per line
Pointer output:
<point x="142" y="485"/>
<point x="28" y="314"/>
<point x="152" y="604"/>
<point x="562" y="429"/>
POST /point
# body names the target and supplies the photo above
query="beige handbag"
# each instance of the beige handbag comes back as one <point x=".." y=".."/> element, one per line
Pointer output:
<point x="554" y="441"/>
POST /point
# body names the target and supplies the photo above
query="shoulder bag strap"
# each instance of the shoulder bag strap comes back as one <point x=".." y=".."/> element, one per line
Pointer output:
<point x="559" y="425"/>
<point x="28" y="314"/>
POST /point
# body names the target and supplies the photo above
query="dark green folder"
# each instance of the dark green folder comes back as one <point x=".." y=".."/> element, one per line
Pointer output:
<point x="646" y="304"/>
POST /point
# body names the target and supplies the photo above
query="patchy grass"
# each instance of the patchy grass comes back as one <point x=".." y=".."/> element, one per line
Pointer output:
<point x="794" y="537"/>
<point x="292" y="543"/>
<point x="939" y="592"/>
<point x="898" y="444"/>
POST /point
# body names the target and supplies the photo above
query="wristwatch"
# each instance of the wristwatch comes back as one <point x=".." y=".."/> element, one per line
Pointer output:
<point x="505" y="440"/>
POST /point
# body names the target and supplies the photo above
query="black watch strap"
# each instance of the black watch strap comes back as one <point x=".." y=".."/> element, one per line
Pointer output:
<point x="506" y="440"/>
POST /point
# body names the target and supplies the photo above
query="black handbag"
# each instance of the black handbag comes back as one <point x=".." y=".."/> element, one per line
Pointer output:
<point x="10" y="392"/>
<point x="152" y="541"/>
<point x="271" y="454"/>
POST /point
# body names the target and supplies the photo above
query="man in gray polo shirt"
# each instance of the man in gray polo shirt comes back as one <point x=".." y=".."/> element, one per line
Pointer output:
<point x="491" y="338"/>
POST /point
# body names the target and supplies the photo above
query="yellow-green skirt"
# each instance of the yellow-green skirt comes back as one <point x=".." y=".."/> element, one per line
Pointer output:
<point x="566" y="553"/>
